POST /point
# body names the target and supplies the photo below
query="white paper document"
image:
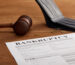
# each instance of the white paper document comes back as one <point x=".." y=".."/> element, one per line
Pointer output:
<point x="54" y="50"/>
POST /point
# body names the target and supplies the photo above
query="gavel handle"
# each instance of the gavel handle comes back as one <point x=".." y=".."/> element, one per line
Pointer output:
<point x="7" y="25"/>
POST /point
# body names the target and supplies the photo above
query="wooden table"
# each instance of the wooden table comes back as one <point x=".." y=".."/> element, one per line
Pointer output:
<point x="10" y="10"/>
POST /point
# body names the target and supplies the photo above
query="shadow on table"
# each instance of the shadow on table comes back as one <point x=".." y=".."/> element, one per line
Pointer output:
<point x="54" y="25"/>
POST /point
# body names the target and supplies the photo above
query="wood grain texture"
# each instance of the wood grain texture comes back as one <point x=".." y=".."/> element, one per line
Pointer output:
<point x="10" y="10"/>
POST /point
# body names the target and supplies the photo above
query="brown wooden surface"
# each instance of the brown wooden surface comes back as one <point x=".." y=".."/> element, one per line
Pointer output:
<point x="10" y="10"/>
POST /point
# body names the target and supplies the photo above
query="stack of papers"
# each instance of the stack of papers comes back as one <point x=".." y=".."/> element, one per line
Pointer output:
<point x="55" y="14"/>
<point x="54" y="50"/>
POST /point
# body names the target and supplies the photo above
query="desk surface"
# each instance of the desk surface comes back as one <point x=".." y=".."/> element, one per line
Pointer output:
<point x="10" y="10"/>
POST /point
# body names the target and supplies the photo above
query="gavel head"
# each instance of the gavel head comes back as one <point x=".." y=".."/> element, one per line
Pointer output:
<point x="23" y="24"/>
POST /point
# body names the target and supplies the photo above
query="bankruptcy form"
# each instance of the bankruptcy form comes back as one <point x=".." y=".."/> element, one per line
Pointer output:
<point x="53" y="50"/>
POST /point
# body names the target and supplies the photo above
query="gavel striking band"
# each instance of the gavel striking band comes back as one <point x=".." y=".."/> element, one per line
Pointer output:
<point x="22" y="25"/>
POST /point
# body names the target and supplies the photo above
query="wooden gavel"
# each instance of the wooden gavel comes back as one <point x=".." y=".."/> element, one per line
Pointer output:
<point x="22" y="25"/>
